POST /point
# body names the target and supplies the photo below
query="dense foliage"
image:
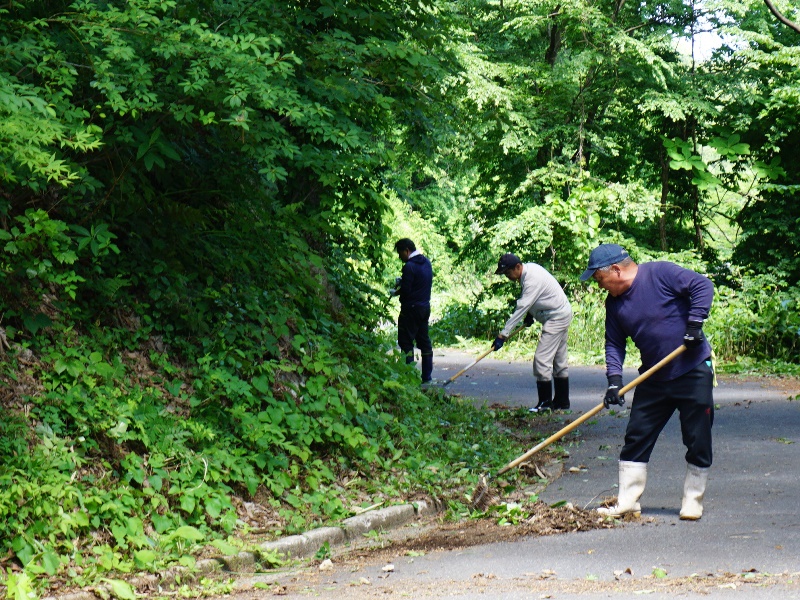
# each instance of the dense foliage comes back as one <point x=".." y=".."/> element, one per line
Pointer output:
<point x="186" y="194"/>
<point x="198" y="203"/>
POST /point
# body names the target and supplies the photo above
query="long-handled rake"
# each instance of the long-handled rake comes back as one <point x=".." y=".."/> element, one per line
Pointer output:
<point x="477" y="360"/>
<point x="481" y="498"/>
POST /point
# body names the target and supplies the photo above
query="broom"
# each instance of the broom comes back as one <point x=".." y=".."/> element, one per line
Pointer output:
<point x="481" y="498"/>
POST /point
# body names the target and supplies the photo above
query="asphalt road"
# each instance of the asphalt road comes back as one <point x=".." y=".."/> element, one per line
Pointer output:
<point x="747" y="545"/>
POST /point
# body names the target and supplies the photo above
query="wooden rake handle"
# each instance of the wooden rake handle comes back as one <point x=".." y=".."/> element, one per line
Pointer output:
<point x="477" y="360"/>
<point x="468" y="367"/>
<point x="583" y="418"/>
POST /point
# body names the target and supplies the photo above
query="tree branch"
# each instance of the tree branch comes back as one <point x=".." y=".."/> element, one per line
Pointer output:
<point x="780" y="17"/>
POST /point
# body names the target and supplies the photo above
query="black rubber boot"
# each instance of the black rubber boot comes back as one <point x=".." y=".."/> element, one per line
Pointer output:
<point x="427" y="367"/>
<point x="545" y="390"/>
<point x="561" y="400"/>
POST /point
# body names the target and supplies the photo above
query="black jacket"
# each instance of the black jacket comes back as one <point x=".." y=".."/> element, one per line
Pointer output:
<point x="415" y="287"/>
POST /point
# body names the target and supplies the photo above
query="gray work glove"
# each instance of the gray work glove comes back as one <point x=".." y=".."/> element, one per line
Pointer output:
<point x="395" y="291"/>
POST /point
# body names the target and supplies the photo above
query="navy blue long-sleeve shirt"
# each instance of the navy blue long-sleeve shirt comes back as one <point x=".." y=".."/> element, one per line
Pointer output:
<point x="653" y="312"/>
<point x="417" y="278"/>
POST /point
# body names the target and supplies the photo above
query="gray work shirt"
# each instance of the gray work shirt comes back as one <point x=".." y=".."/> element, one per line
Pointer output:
<point x="541" y="296"/>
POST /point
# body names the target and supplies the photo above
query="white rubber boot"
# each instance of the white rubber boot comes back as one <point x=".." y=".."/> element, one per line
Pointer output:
<point x="632" y="479"/>
<point x="694" y="488"/>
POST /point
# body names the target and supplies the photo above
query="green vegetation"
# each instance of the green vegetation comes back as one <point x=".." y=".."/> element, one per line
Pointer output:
<point x="198" y="203"/>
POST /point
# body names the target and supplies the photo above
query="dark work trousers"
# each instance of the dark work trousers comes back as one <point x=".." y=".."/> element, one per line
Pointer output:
<point x="412" y="326"/>
<point x="654" y="402"/>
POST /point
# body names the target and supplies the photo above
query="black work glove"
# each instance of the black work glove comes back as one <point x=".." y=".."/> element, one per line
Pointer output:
<point x="498" y="343"/>
<point x="612" y="393"/>
<point x="694" y="334"/>
<point x="528" y="320"/>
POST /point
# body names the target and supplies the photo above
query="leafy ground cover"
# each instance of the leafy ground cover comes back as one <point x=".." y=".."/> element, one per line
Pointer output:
<point x="113" y="465"/>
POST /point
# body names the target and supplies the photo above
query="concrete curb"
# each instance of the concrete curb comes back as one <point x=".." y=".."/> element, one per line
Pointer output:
<point x="391" y="517"/>
<point x="291" y="547"/>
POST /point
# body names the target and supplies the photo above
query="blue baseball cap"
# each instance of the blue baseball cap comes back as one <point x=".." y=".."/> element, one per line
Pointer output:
<point x="603" y="256"/>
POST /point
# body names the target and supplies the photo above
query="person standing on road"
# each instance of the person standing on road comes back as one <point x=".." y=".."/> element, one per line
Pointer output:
<point x="543" y="300"/>
<point x="415" y="305"/>
<point x="659" y="305"/>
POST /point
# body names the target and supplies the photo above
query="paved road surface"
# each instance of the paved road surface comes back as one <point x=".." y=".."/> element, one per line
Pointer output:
<point x="751" y="526"/>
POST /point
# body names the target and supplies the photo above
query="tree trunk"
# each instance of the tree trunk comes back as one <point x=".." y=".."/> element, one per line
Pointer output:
<point x="662" y="221"/>
<point x="698" y="231"/>
<point x="555" y="40"/>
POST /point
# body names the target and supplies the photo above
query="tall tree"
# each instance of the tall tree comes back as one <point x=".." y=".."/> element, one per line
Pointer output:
<point x="764" y="57"/>
<point x="173" y="121"/>
<point x="174" y="100"/>
<point x="565" y="100"/>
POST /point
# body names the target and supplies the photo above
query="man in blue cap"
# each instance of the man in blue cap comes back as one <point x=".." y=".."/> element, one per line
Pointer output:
<point x="660" y="306"/>
<point x="541" y="299"/>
